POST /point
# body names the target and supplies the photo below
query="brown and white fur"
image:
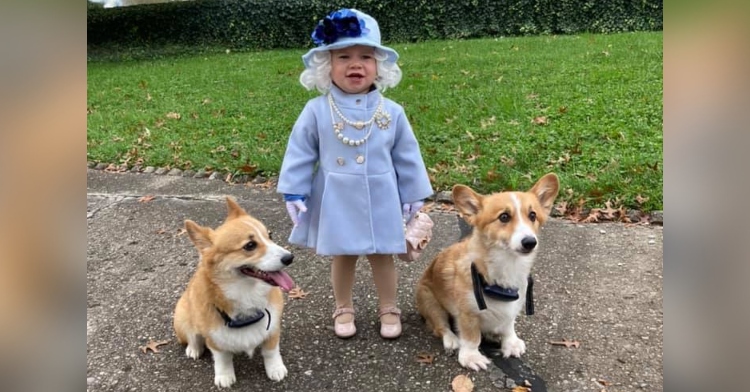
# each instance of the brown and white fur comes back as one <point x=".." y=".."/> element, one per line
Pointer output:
<point x="239" y="273"/>
<point x="502" y="246"/>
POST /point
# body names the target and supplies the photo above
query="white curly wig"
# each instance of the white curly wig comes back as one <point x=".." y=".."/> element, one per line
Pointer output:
<point x="318" y="74"/>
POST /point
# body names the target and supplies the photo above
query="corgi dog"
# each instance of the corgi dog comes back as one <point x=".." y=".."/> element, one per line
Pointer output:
<point x="480" y="283"/>
<point x="234" y="301"/>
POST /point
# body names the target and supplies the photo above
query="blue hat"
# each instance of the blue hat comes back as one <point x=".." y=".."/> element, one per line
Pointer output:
<point x="347" y="27"/>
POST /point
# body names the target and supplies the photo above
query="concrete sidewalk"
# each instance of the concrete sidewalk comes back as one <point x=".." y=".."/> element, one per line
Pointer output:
<point x="598" y="284"/>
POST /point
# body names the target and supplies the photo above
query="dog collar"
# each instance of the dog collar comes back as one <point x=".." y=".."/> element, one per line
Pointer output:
<point x="481" y="288"/>
<point x="244" y="322"/>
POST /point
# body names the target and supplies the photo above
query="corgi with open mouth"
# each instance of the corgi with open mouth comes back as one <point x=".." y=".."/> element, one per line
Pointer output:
<point x="234" y="301"/>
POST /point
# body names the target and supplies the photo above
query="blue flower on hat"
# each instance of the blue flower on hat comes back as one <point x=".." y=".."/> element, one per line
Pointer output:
<point x="347" y="27"/>
<point x="337" y="24"/>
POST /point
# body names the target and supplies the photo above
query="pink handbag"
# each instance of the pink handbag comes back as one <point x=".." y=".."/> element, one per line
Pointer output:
<point x="418" y="234"/>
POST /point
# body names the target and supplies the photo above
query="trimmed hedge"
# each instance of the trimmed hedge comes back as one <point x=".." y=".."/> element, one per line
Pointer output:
<point x="266" y="24"/>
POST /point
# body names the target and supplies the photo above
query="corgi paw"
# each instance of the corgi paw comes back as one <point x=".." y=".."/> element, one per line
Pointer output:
<point x="224" y="380"/>
<point x="194" y="352"/>
<point x="450" y="342"/>
<point x="513" y="347"/>
<point x="276" y="373"/>
<point x="473" y="360"/>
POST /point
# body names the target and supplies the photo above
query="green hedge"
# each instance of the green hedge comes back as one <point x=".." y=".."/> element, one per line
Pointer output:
<point x="265" y="24"/>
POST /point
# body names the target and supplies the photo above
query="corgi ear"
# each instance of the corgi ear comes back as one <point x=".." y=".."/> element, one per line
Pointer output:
<point x="467" y="201"/>
<point x="234" y="209"/>
<point x="201" y="236"/>
<point x="546" y="190"/>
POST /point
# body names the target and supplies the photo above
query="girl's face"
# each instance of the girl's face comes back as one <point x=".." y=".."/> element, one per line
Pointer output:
<point x="354" y="69"/>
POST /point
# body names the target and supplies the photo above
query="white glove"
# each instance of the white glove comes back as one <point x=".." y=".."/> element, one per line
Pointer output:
<point x="411" y="209"/>
<point x="294" y="208"/>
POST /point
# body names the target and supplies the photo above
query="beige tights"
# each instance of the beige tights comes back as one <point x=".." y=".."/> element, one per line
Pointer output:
<point x="383" y="274"/>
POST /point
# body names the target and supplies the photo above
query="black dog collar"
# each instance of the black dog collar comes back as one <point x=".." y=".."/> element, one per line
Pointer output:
<point x="481" y="288"/>
<point x="244" y="322"/>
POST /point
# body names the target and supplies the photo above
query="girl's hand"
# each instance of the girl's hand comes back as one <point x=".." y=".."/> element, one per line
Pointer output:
<point x="411" y="209"/>
<point x="295" y="208"/>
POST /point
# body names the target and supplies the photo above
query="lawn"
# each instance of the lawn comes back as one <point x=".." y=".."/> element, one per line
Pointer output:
<point x="494" y="114"/>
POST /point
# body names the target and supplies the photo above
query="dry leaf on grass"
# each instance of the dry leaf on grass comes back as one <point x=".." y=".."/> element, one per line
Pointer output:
<point x="565" y="342"/>
<point x="153" y="346"/>
<point x="541" y="120"/>
<point x="425" y="358"/>
<point x="297" y="293"/>
<point x="609" y="212"/>
<point x="146" y="199"/>
<point x="174" y="116"/>
<point x="462" y="383"/>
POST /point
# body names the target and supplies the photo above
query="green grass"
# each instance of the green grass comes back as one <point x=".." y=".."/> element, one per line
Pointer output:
<point x="471" y="103"/>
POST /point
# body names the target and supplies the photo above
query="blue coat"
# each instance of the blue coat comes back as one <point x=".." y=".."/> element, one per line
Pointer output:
<point x="353" y="193"/>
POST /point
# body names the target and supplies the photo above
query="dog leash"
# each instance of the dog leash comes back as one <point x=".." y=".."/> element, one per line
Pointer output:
<point x="500" y="293"/>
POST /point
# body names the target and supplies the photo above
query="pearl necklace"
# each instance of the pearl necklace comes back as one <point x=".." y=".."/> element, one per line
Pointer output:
<point x="380" y="117"/>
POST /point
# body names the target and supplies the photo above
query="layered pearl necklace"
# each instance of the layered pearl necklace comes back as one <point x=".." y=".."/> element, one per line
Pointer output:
<point x="380" y="117"/>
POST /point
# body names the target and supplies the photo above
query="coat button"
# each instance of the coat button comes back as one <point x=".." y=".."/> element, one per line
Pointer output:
<point x="358" y="101"/>
<point x="340" y="161"/>
<point x="360" y="159"/>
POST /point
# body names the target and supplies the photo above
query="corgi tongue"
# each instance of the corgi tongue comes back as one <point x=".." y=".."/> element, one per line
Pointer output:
<point x="282" y="279"/>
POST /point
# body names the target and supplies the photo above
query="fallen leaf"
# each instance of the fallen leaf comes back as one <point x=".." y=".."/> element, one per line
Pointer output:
<point x="462" y="383"/>
<point x="181" y="231"/>
<point x="486" y="123"/>
<point x="565" y="342"/>
<point x="297" y="292"/>
<point x="640" y="199"/>
<point x="592" y="217"/>
<point x="146" y="199"/>
<point x="507" y="161"/>
<point x="248" y="168"/>
<point x="153" y="346"/>
<point x="426" y="358"/>
<point x="174" y="116"/>
<point x="609" y="212"/>
<point x="604" y="383"/>
<point x="562" y="207"/>
<point x="624" y="215"/>
<point x="160" y="231"/>
<point x="541" y="120"/>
